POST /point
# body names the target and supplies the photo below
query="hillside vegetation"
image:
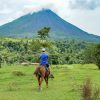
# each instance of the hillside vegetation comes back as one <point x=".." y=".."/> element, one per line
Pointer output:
<point x="28" y="50"/>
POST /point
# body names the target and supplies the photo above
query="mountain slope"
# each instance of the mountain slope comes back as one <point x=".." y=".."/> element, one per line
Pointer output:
<point x="28" y="25"/>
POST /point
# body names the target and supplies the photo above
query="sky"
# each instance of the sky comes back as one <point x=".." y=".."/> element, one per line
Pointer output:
<point x="84" y="14"/>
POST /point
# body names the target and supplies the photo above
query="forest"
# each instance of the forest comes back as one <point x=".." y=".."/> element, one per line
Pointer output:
<point x="19" y="50"/>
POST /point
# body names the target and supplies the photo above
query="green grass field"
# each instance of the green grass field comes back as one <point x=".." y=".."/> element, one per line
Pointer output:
<point x="65" y="86"/>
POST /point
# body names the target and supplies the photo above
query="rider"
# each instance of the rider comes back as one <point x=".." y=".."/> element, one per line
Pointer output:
<point x="44" y="59"/>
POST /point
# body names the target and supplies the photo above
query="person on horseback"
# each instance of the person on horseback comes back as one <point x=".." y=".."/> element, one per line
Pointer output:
<point x="43" y="62"/>
<point x="44" y="59"/>
<point x="42" y="72"/>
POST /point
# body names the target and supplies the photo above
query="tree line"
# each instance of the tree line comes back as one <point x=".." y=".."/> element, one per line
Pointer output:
<point x="60" y="51"/>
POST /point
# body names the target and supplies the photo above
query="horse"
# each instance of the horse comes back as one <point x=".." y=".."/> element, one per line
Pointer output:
<point x="42" y="74"/>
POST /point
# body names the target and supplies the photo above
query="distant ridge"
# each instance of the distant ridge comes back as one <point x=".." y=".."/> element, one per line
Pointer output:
<point x="28" y="25"/>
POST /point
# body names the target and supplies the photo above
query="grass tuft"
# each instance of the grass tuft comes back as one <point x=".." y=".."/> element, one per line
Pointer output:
<point x="89" y="92"/>
<point x="12" y="86"/>
<point x="18" y="73"/>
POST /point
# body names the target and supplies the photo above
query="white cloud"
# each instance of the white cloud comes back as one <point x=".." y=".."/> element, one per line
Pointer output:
<point x="87" y="20"/>
<point x="5" y="11"/>
<point x="82" y="13"/>
<point x="84" y="4"/>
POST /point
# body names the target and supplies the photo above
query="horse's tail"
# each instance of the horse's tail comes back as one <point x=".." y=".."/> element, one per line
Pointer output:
<point x="36" y="71"/>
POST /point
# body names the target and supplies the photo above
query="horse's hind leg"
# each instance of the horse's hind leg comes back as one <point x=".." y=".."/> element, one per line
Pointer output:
<point x="46" y="80"/>
<point x="39" y="82"/>
<point x="40" y="79"/>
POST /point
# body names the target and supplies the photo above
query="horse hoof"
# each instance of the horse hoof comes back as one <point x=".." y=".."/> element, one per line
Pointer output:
<point x="47" y="86"/>
<point x="40" y="89"/>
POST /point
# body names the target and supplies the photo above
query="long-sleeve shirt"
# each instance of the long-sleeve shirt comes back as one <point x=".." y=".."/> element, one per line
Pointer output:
<point x="44" y="58"/>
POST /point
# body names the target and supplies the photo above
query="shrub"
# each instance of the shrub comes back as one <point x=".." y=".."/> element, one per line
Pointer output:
<point x="88" y="92"/>
<point x="18" y="73"/>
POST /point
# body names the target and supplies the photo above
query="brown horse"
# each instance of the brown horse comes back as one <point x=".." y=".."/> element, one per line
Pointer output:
<point x="42" y="74"/>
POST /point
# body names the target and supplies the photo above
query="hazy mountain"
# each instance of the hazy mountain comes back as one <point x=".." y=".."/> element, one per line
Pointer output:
<point x="28" y="25"/>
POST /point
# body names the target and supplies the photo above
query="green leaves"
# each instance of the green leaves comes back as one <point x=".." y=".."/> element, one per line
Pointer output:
<point x="92" y="54"/>
<point x="43" y="33"/>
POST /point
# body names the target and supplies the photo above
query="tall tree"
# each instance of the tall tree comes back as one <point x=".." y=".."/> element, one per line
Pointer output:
<point x="43" y="33"/>
<point x="41" y="41"/>
<point x="92" y="55"/>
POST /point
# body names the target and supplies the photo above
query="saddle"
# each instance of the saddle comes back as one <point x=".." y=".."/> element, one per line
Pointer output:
<point x="43" y="68"/>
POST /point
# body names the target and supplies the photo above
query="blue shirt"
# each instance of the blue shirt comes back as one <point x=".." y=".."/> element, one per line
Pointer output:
<point x="43" y="59"/>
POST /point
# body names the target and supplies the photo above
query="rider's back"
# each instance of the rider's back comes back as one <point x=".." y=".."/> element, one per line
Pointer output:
<point x="43" y="59"/>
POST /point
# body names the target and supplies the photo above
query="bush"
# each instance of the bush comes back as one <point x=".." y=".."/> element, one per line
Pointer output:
<point x="18" y="73"/>
<point x="89" y="92"/>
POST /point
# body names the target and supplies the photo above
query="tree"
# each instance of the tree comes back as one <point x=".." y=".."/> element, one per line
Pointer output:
<point x="92" y="55"/>
<point x="43" y="33"/>
<point x="41" y="42"/>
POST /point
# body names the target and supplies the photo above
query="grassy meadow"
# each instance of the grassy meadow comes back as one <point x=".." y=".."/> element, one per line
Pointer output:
<point x="66" y="85"/>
